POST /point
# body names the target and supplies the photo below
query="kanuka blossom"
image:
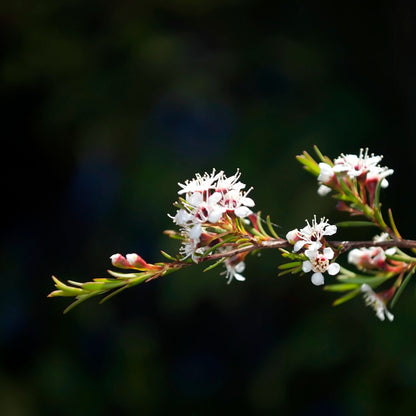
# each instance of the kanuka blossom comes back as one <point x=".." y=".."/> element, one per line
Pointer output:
<point x="376" y="302"/>
<point x="370" y="258"/>
<point x="319" y="262"/>
<point x="201" y="183"/>
<point x="206" y="200"/>
<point x="311" y="235"/>
<point x="233" y="270"/>
<point x="363" y="167"/>
<point x="312" y="239"/>
<point x="237" y="202"/>
<point x="326" y="177"/>
<point x="375" y="258"/>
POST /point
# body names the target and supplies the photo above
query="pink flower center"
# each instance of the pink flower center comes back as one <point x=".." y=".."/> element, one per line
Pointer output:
<point x="320" y="263"/>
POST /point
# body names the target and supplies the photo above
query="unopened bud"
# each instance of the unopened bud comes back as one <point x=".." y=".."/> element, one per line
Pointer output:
<point x="120" y="261"/>
<point x="136" y="261"/>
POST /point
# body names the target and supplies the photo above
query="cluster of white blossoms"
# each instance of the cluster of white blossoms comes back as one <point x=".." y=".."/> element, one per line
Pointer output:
<point x="319" y="257"/>
<point x="207" y="200"/>
<point x="376" y="302"/>
<point x="363" y="167"/>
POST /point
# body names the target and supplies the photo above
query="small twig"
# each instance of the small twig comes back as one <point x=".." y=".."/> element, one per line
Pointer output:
<point x="342" y="246"/>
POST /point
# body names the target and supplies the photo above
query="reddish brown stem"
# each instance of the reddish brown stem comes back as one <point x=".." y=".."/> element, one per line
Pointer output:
<point x="341" y="246"/>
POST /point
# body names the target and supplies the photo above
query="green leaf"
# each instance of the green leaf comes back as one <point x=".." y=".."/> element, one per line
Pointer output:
<point x="168" y="256"/>
<point x="292" y="256"/>
<point x="393" y="224"/>
<point x="270" y="227"/>
<point x="346" y="297"/>
<point x="323" y="158"/>
<point x="292" y="271"/>
<point x="376" y="201"/>
<point x="125" y="275"/>
<point x="372" y="281"/>
<point x="346" y="189"/>
<point x="401" y="287"/>
<point x="356" y="224"/>
<point x="341" y="287"/>
<point x="259" y="224"/>
<point x="64" y="290"/>
<point x="401" y="257"/>
<point x="212" y="266"/>
<point x="289" y="265"/>
<point x="80" y="299"/>
<point x="344" y="198"/>
<point x="309" y="163"/>
<point x="100" y="286"/>
<point x="116" y="292"/>
<point x="224" y="240"/>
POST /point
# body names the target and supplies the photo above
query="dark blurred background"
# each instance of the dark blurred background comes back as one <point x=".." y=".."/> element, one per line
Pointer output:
<point x="106" y="106"/>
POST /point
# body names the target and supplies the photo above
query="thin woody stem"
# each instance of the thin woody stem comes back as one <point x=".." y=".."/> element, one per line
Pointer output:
<point x="341" y="246"/>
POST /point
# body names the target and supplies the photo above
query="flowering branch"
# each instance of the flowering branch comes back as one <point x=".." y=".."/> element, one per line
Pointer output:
<point x="341" y="246"/>
<point x="216" y="223"/>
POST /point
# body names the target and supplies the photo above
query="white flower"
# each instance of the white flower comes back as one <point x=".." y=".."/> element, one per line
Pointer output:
<point x="354" y="165"/>
<point x="238" y="202"/>
<point x="375" y="301"/>
<point x="312" y="234"/>
<point x="189" y="247"/>
<point x="385" y="237"/>
<point x="319" y="262"/>
<point x="205" y="209"/>
<point x="326" y="173"/>
<point x="234" y="270"/>
<point x="200" y="183"/>
<point x="371" y="257"/>
<point x="363" y="164"/>
<point x="182" y="217"/>
<point x="379" y="174"/>
<point x="292" y="236"/>
<point x="225" y="184"/>
<point x="209" y="196"/>
<point x="367" y="258"/>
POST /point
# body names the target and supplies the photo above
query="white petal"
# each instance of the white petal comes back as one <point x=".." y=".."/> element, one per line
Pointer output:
<point x="330" y="230"/>
<point x="298" y="245"/>
<point x="291" y="235"/>
<point x="195" y="199"/>
<point x="239" y="268"/>
<point x="324" y="190"/>
<point x="306" y="266"/>
<point x="242" y="212"/>
<point x="317" y="279"/>
<point x="195" y="232"/>
<point x="311" y="254"/>
<point x="366" y="288"/>
<point x="333" y="269"/>
<point x="355" y="256"/>
<point x="316" y="245"/>
<point x="215" y="216"/>
<point x="384" y="183"/>
<point x="326" y="173"/>
<point x="390" y="251"/>
<point x="248" y="202"/>
<point x="329" y="253"/>
<point x="182" y="217"/>
<point x="215" y="198"/>
<point x="239" y="277"/>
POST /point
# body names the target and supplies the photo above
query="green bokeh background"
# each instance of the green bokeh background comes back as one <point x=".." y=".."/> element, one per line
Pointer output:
<point x="106" y="106"/>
